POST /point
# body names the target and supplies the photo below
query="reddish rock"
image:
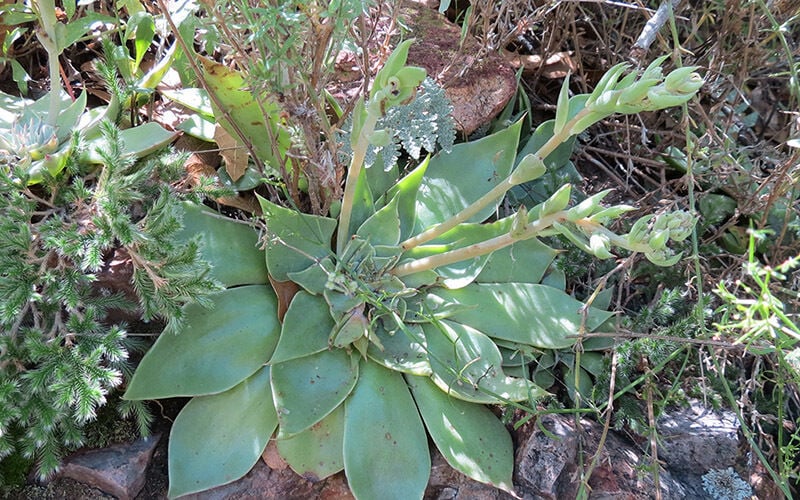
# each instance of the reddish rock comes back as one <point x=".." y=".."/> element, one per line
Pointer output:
<point x="118" y="470"/>
<point x="478" y="83"/>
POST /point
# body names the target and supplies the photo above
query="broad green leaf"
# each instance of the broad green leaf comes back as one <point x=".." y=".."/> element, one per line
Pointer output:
<point x="307" y="389"/>
<point x="294" y="240"/>
<point x="585" y="384"/>
<point x="315" y="278"/>
<point x="386" y="454"/>
<point x="197" y="126"/>
<point x="229" y="246"/>
<point x="143" y="37"/>
<point x="217" y="349"/>
<point x="217" y="439"/>
<point x="527" y="313"/>
<point x="306" y="328"/>
<point x="192" y="98"/>
<point x="363" y="202"/>
<point x="257" y="121"/>
<point x="467" y="365"/>
<point x="138" y="142"/>
<point x="469" y="436"/>
<point x="525" y="261"/>
<point x="316" y="453"/>
<point x="382" y="227"/>
<point x="380" y="179"/>
<point x="69" y="117"/>
<point x="456" y="179"/>
<point x="403" y="351"/>
<point x="406" y="191"/>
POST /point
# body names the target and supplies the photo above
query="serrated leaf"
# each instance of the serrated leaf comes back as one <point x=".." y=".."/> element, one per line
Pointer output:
<point x="386" y="452"/>
<point x="467" y="365"/>
<point x="456" y="179"/>
<point x="316" y="453"/>
<point x="217" y="349"/>
<point x="230" y="247"/>
<point x="295" y="240"/>
<point x="469" y="436"/>
<point x="307" y="389"/>
<point x="526" y="313"/>
<point x="217" y="439"/>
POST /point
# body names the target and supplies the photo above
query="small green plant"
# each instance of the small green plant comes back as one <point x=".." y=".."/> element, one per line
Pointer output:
<point x="59" y="357"/>
<point x="754" y="315"/>
<point x="394" y="322"/>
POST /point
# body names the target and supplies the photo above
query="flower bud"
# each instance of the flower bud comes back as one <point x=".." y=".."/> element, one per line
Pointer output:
<point x="678" y="80"/>
<point x="664" y="257"/>
<point x="599" y="244"/>
<point x="658" y="239"/>
<point x="557" y="202"/>
<point x="587" y="206"/>
<point x="529" y="168"/>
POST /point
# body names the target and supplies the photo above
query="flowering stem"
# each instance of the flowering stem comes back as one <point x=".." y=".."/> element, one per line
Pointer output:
<point x="373" y="112"/>
<point x="482" y="248"/>
<point x="498" y="191"/>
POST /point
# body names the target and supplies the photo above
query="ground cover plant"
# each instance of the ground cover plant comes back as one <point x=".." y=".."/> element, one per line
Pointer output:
<point x="362" y="272"/>
<point x="389" y="334"/>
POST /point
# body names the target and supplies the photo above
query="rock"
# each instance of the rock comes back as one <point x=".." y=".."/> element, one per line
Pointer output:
<point x="478" y="83"/>
<point x="447" y="483"/>
<point x="547" y="466"/>
<point x="265" y="483"/>
<point x="118" y="470"/>
<point x="695" y="440"/>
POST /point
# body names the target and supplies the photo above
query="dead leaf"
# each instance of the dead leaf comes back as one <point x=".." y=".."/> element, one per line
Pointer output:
<point x="285" y="290"/>
<point x="232" y="151"/>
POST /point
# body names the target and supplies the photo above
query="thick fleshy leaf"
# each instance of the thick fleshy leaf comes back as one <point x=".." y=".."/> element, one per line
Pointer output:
<point x="406" y="191"/>
<point x="403" y="351"/>
<point x="382" y="227"/>
<point x="306" y="328"/>
<point x="527" y="313"/>
<point x="460" y="274"/>
<point x="456" y="179"/>
<point x="467" y="365"/>
<point x="217" y="349"/>
<point x="307" y="389"/>
<point x="469" y="436"/>
<point x="138" y="141"/>
<point x="363" y="202"/>
<point x="230" y="247"/>
<point x="217" y="439"/>
<point x="386" y="452"/>
<point x="316" y="453"/>
<point x="295" y="240"/>
<point x="525" y="261"/>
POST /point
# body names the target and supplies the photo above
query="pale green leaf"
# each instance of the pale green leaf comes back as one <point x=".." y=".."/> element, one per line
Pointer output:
<point x="229" y="246"/>
<point x="316" y="453"/>
<point x="403" y="351"/>
<point x="382" y="227"/>
<point x="217" y="439"/>
<point x="294" y="240"/>
<point x="467" y="365"/>
<point x="215" y="350"/>
<point x="525" y="261"/>
<point x="406" y="191"/>
<point x="469" y="436"/>
<point x="307" y="389"/>
<point x="306" y="328"/>
<point x="386" y="454"/>
<point x="527" y="313"/>
<point x="457" y="178"/>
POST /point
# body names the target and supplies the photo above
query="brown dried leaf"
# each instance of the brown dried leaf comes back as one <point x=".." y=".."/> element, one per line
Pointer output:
<point x="285" y="290"/>
<point x="233" y="152"/>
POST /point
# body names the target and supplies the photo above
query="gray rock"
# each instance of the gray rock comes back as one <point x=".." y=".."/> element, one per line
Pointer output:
<point x="547" y="465"/>
<point x="695" y="440"/>
<point x="118" y="470"/>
